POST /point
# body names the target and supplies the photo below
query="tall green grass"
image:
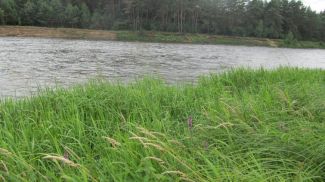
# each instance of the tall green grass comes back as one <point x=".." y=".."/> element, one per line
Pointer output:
<point x="247" y="126"/>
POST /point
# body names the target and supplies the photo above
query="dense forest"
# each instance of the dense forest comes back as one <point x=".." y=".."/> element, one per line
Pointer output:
<point x="258" y="18"/>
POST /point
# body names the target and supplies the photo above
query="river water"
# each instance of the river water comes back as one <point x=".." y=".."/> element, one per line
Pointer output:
<point x="27" y="64"/>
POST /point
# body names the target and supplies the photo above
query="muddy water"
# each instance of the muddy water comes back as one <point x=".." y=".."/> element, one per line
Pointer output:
<point x="27" y="64"/>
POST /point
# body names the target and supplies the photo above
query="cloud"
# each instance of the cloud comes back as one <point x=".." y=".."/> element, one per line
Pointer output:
<point x="317" y="5"/>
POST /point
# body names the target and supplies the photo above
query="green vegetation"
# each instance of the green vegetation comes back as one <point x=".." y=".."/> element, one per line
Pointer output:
<point x="246" y="18"/>
<point x="212" y="39"/>
<point x="190" y="38"/>
<point x="242" y="125"/>
<point x="302" y="44"/>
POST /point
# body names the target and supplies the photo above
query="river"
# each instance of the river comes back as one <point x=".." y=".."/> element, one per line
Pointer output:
<point x="27" y="64"/>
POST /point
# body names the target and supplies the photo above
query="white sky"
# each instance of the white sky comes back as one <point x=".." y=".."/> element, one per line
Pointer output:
<point x="318" y="5"/>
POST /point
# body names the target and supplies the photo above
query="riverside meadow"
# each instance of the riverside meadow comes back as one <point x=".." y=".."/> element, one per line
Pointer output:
<point x="241" y="125"/>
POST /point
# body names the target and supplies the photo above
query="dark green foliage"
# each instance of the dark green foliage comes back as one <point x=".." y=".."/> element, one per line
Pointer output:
<point x="2" y="13"/>
<point x="273" y="20"/>
<point x="29" y="13"/>
<point x="290" y="40"/>
<point x="85" y="16"/>
<point x="57" y="13"/>
<point x="257" y="18"/>
<point x="10" y="14"/>
<point x="71" y="15"/>
<point x="322" y="26"/>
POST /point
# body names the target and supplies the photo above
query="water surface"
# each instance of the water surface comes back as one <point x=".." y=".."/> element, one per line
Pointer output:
<point x="27" y="64"/>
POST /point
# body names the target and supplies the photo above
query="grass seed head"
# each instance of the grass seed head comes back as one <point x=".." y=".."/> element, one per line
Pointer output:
<point x="156" y="146"/>
<point x="155" y="159"/>
<point x="61" y="159"/>
<point x="179" y="173"/>
<point x="5" y="152"/>
<point x="113" y="142"/>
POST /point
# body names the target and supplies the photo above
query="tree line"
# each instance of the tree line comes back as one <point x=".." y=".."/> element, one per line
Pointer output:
<point x="257" y="18"/>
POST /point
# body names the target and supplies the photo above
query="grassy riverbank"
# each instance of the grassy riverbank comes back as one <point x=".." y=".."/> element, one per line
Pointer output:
<point x="213" y="39"/>
<point x="239" y="126"/>
<point x="162" y="37"/>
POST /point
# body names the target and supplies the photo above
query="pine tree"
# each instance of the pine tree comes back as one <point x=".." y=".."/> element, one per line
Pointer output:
<point x="85" y="16"/>
<point x="97" y="20"/>
<point x="10" y="15"/>
<point x="71" y="15"/>
<point x="56" y="16"/>
<point x="273" y="19"/>
<point x="29" y="12"/>
<point x="2" y="15"/>
<point x="254" y="18"/>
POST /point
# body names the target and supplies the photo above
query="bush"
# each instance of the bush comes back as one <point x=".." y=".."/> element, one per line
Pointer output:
<point x="290" y="39"/>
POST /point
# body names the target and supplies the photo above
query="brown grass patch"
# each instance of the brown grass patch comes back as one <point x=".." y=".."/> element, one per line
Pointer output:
<point x="69" y="33"/>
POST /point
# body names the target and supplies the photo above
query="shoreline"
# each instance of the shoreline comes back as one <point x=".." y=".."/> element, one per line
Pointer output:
<point x="146" y="36"/>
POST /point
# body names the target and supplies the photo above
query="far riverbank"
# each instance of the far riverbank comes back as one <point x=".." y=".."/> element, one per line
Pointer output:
<point x="161" y="37"/>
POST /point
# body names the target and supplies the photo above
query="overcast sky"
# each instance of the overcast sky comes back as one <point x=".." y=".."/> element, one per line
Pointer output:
<point x="317" y="5"/>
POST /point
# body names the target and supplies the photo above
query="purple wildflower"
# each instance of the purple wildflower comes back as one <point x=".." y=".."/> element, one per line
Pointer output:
<point x="66" y="155"/>
<point x="190" y="122"/>
<point x="206" y="145"/>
